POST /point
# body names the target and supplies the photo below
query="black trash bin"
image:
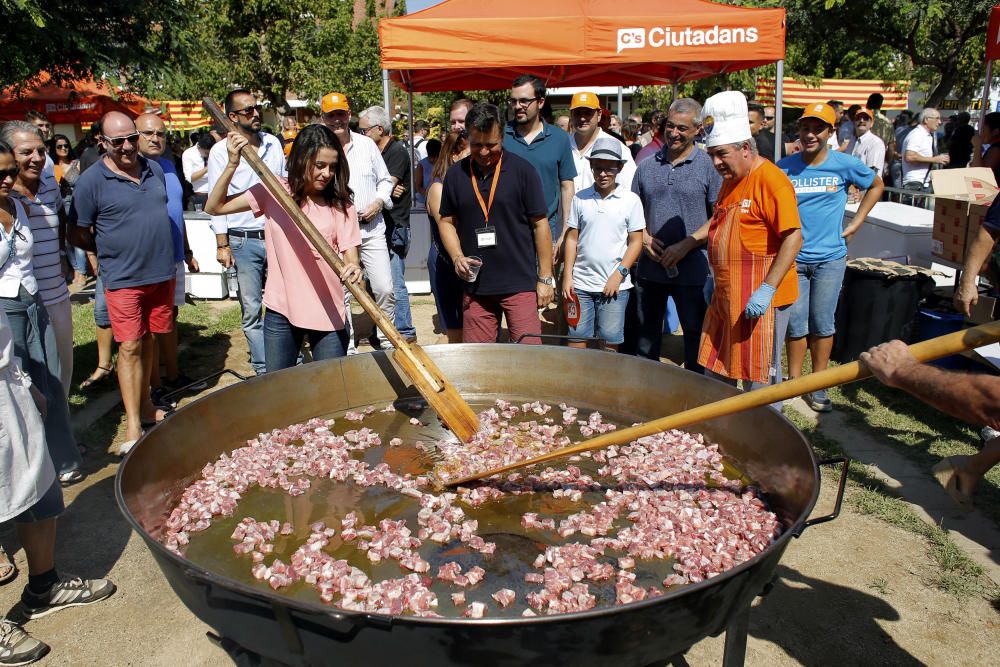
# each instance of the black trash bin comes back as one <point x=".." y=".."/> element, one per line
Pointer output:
<point x="879" y="302"/>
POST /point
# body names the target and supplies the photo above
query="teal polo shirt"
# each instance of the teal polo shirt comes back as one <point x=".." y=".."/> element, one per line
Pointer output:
<point x="551" y="154"/>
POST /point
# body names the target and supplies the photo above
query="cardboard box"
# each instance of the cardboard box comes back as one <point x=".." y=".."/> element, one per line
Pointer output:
<point x="961" y="198"/>
<point x="982" y="312"/>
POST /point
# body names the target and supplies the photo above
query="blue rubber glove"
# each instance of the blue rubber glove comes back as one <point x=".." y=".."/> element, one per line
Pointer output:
<point x="760" y="301"/>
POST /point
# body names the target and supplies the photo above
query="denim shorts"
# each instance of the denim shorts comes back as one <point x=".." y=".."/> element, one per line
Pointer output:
<point x="609" y="313"/>
<point x="819" y="290"/>
<point x="48" y="506"/>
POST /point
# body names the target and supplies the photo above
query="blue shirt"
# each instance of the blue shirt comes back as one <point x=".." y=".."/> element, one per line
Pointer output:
<point x="821" y="191"/>
<point x="175" y="205"/>
<point x="551" y="154"/>
<point x="135" y="243"/>
<point x="677" y="200"/>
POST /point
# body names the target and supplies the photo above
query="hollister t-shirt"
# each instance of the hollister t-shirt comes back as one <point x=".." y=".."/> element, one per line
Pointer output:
<point x="821" y="191"/>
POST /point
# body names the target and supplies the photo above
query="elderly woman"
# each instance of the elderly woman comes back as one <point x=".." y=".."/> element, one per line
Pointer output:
<point x="34" y="340"/>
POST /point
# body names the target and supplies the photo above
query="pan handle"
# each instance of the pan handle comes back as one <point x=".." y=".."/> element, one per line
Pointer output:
<point x="845" y="464"/>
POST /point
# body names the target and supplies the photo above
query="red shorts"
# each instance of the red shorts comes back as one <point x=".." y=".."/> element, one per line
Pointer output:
<point x="137" y="311"/>
<point x="481" y="317"/>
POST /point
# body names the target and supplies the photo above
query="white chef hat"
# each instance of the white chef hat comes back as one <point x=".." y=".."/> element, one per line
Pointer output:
<point x="726" y="119"/>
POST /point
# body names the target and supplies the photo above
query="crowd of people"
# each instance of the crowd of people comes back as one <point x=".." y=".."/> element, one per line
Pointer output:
<point x="599" y="219"/>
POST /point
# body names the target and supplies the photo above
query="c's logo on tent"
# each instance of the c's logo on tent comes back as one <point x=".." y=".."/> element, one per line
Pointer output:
<point x="631" y="38"/>
<point x="707" y="124"/>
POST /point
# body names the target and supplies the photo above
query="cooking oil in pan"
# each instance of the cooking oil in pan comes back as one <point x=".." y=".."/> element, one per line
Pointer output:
<point x="499" y="520"/>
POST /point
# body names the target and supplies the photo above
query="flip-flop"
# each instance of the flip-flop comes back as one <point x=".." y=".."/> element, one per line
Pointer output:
<point x="7" y="569"/>
<point x="946" y="473"/>
<point x="101" y="379"/>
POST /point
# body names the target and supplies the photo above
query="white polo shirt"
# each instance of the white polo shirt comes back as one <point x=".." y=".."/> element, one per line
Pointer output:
<point x="585" y="177"/>
<point x="603" y="224"/>
<point x="869" y="149"/>
<point x="245" y="178"/>
<point x="920" y="141"/>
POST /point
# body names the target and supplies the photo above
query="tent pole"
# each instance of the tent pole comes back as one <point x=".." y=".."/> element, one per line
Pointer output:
<point x="413" y="150"/>
<point x="621" y="112"/>
<point x="387" y="101"/>
<point x="673" y="92"/>
<point x="986" y="93"/>
<point x="779" y="135"/>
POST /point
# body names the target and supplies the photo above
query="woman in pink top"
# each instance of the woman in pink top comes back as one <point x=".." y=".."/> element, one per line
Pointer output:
<point x="303" y="296"/>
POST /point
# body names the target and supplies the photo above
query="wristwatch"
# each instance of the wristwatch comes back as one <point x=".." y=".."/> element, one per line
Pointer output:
<point x="622" y="270"/>
<point x="550" y="281"/>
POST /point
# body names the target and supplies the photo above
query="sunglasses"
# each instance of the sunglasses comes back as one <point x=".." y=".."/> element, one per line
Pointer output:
<point x="605" y="170"/>
<point x="149" y="134"/>
<point x="60" y="147"/>
<point x="768" y="117"/>
<point x="248" y="112"/>
<point x="9" y="173"/>
<point x="118" y="142"/>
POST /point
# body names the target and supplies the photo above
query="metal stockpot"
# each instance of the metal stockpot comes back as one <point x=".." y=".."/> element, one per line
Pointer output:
<point x="761" y="443"/>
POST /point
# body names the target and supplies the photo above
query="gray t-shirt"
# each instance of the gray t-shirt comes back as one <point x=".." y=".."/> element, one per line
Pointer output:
<point x="677" y="200"/>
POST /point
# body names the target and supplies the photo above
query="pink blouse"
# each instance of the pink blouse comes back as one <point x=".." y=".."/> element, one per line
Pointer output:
<point x="300" y="284"/>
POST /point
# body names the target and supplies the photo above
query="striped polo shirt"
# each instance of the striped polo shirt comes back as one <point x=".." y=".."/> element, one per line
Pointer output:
<point x="43" y="218"/>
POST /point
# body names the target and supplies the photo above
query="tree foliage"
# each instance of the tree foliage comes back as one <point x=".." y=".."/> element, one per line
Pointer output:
<point x="278" y="47"/>
<point x="74" y="40"/>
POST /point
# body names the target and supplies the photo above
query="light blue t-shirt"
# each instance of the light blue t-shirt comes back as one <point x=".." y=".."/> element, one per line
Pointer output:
<point x="821" y="191"/>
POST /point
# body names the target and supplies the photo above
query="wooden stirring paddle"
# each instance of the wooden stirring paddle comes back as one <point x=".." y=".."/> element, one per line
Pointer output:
<point x="927" y="350"/>
<point x="441" y="396"/>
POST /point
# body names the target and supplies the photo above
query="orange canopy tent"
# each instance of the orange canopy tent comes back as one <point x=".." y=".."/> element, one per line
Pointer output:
<point x="76" y="102"/>
<point x="463" y="44"/>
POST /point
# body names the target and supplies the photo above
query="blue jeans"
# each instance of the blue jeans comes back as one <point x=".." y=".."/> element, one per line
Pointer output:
<point x="819" y="290"/>
<point x="447" y="288"/>
<point x="650" y="309"/>
<point x="401" y="318"/>
<point x="602" y="316"/>
<point x="283" y="341"/>
<point x="101" y="317"/>
<point x="251" y="272"/>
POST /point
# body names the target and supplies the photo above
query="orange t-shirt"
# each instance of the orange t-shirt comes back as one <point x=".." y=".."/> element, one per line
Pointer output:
<point x="768" y="210"/>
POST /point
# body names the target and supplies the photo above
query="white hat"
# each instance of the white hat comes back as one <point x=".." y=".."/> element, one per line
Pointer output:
<point x="726" y="119"/>
<point x="606" y="148"/>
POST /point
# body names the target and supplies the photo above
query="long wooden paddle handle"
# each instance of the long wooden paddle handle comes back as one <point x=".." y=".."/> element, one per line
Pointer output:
<point x="324" y="248"/>
<point x="927" y="350"/>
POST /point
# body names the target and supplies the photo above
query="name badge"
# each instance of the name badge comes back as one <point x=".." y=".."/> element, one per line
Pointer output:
<point x="486" y="237"/>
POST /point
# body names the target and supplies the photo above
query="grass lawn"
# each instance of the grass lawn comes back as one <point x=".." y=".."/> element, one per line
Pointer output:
<point x="918" y="431"/>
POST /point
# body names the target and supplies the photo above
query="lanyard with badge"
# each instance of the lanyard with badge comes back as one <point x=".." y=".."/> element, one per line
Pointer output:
<point x="486" y="237"/>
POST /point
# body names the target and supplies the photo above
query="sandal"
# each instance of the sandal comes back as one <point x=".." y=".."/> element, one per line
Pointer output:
<point x="7" y="569"/>
<point x="96" y="379"/>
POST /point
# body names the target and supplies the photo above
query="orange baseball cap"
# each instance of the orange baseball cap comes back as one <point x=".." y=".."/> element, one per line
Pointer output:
<point x="334" y="102"/>
<point x="823" y="112"/>
<point x="585" y="100"/>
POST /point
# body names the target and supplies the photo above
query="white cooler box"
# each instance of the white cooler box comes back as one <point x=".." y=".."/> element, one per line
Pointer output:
<point x="893" y="231"/>
<point x="210" y="281"/>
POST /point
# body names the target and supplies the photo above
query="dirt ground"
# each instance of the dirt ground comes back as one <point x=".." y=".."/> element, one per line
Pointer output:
<point x="852" y="591"/>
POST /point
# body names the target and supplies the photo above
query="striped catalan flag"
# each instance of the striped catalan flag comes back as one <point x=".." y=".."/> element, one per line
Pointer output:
<point x="849" y="91"/>
<point x="184" y="115"/>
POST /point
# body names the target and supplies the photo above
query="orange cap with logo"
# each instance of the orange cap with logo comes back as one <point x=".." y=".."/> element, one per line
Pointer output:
<point x="334" y="102"/>
<point x="823" y="112"/>
<point x="585" y="100"/>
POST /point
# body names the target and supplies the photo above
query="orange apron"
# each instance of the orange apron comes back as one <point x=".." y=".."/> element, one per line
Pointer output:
<point x="733" y="345"/>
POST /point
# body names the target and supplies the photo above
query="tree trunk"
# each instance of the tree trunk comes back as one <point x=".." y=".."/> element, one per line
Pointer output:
<point x="943" y="88"/>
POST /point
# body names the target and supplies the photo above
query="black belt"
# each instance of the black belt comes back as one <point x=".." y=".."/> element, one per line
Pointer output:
<point x="259" y="234"/>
